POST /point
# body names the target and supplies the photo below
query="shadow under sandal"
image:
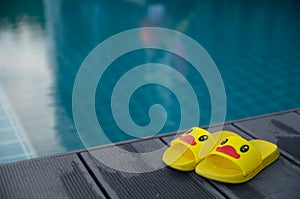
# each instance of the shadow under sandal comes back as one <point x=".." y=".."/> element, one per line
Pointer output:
<point x="236" y="160"/>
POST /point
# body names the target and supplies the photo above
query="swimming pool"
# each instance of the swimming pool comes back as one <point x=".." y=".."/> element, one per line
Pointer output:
<point x="255" y="46"/>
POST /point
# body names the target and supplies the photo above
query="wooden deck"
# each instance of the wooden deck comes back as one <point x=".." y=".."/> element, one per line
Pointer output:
<point x="79" y="175"/>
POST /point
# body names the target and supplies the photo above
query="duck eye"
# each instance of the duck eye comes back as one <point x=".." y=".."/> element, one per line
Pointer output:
<point x="203" y="138"/>
<point x="189" y="131"/>
<point x="224" y="141"/>
<point x="244" y="148"/>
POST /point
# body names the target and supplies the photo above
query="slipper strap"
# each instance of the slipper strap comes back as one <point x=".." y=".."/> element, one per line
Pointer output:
<point x="248" y="161"/>
<point x="196" y="148"/>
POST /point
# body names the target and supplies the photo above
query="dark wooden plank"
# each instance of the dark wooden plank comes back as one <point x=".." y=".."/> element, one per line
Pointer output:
<point x="230" y="127"/>
<point x="169" y="138"/>
<point x="158" y="183"/>
<point x="55" y="177"/>
<point x="284" y="130"/>
<point x="279" y="180"/>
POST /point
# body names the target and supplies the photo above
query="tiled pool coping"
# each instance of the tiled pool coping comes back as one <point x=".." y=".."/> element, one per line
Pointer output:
<point x="78" y="175"/>
<point x="14" y="144"/>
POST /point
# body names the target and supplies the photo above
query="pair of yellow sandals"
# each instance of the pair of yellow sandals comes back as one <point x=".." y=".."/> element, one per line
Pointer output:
<point x="222" y="156"/>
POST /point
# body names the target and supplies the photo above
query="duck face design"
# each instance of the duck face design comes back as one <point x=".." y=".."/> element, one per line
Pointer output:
<point x="236" y="153"/>
<point x="234" y="148"/>
<point x="195" y="136"/>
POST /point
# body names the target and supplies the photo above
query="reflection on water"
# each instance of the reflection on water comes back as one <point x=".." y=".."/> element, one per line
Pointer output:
<point x="42" y="44"/>
<point x="28" y="80"/>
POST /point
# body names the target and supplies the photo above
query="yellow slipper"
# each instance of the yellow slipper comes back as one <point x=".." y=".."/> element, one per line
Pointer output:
<point x="236" y="160"/>
<point x="186" y="151"/>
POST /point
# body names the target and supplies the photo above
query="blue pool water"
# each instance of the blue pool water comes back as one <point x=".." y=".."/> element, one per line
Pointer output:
<point x="255" y="45"/>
